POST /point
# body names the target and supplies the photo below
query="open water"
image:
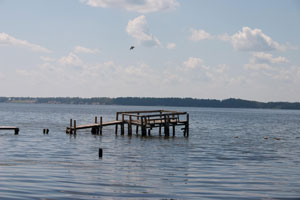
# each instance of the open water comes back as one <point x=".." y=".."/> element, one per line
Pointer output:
<point x="225" y="157"/>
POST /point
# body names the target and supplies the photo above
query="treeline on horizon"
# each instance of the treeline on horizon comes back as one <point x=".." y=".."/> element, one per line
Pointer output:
<point x="149" y="101"/>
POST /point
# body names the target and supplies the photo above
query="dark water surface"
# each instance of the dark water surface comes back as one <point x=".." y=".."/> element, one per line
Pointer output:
<point x="225" y="157"/>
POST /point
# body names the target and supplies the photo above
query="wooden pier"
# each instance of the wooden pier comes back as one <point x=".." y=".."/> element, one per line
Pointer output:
<point x="16" y="129"/>
<point x="143" y="120"/>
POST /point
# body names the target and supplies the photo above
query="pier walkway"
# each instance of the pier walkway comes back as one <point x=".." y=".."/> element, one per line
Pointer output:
<point x="16" y="129"/>
<point x="143" y="120"/>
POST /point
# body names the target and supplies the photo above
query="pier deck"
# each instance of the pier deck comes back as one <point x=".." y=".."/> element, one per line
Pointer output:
<point x="16" y="129"/>
<point x="146" y="120"/>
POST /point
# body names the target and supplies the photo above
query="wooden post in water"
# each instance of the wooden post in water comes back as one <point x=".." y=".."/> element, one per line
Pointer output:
<point x="100" y="127"/>
<point x="116" y="128"/>
<point x="173" y="130"/>
<point x="173" y="125"/>
<point x="17" y="131"/>
<point x="167" y="127"/>
<point x="100" y="153"/>
<point x="70" y="130"/>
<point x="187" y="126"/>
<point x="129" y="126"/>
<point x="122" y="125"/>
<point x="160" y="123"/>
<point x="95" y="130"/>
<point x="137" y="126"/>
<point x="143" y="124"/>
<point x="74" y="126"/>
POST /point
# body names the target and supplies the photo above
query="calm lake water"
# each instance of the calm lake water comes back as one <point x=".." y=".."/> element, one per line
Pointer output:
<point x="211" y="164"/>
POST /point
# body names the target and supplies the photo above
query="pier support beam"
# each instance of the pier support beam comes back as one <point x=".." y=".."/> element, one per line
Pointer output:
<point x="74" y="126"/>
<point x="116" y="128"/>
<point x="100" y="127"/>
<point x="122" y="125"/>
<point x="167" y="127"/>
<point x="137" y="126"/>
<point x="143" y="126"/>
<point x="186" y="128"/>
<point x="129" y="126"/>
<point x="71" y="124"/>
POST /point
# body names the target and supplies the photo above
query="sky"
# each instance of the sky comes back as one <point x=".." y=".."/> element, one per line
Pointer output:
<point x="207" y="49"/>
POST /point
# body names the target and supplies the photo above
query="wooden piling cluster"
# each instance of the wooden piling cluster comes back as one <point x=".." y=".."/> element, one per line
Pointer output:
<point x="16" y="129"/>
<point x="143" y="120"/>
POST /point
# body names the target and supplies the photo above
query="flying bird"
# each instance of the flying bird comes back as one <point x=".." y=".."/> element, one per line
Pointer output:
<point x="132" y="47"/>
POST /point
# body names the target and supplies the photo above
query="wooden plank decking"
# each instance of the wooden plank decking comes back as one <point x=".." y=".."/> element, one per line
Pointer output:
<point x="16" y="129"/>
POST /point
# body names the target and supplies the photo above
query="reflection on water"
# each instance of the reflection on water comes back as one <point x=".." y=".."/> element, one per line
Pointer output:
<point x="225" y="157"/>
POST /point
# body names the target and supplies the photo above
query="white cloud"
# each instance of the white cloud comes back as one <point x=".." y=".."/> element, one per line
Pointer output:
<point x="70" y="59"/>
<point x="6" y="39"/>
<point x="141" y="6"/>
<point x="246" y="40"/>
<point x="200" y="35"/>
<point x="253" y="40"/>
<point x="81" y="49"/>
<point x="171" y="46"/>
<point x="267" y="58"/>
<point x="192" y="63"/>
<point x="265" y="61"/>
<point x="137" y="28"/>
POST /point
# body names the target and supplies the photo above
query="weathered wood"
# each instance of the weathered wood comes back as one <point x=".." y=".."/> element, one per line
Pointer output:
<point x="143" y="126"/>
<point x="129" y="126"/>
<point x="117" y="119"/>
<point x="100" y="128"/>
<point x="16" y="129"/>
<point x="173" y="126"/>
<point x="146" y="120"/>
<point x="166" y="126"/>
<point x="187" y="125"/>
<point x="160" y="117"/>
<point x="74" y="127"/>
<point x="70" y="126"/>
<point x="85" y="126"/>
<point x="94" y="130"/>
<point x="100" y="153"/>
<point x="122" y="125"/>
<point x="137" y="127"/>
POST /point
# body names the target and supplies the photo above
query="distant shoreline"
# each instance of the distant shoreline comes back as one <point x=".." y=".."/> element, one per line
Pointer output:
<point x="149" y="101"/>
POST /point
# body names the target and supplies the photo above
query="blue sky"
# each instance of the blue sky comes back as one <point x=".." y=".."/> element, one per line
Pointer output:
<point x="196" y="48"/>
